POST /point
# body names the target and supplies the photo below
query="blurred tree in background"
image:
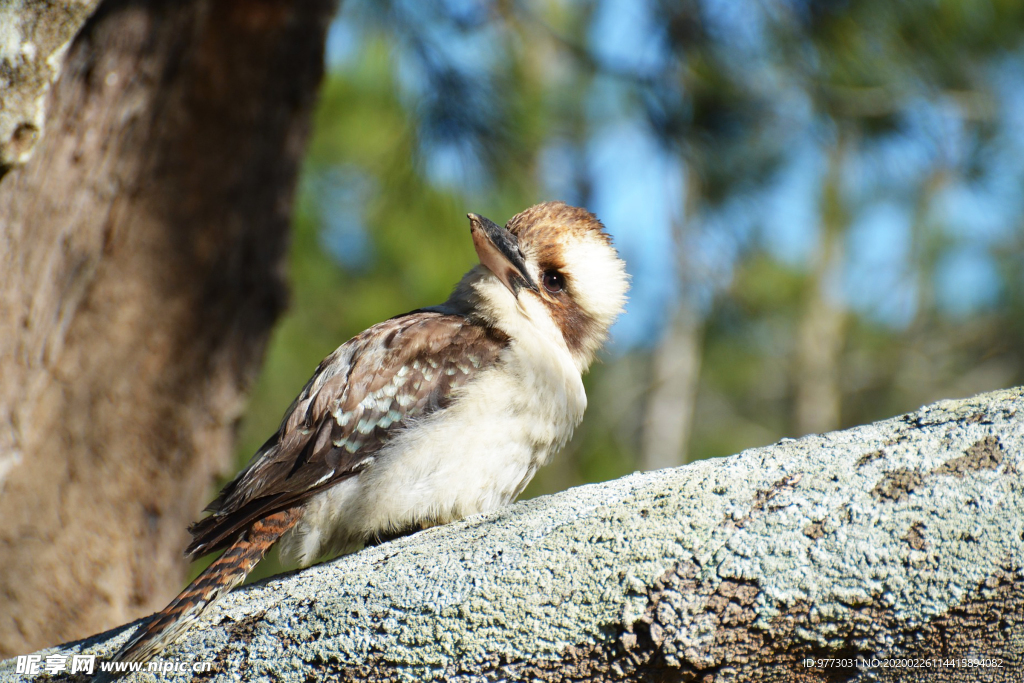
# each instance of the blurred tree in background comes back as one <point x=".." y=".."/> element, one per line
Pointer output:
<point x="819" y="202"/>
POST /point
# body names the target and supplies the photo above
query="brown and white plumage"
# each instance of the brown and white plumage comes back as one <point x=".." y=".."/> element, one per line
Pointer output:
<point x="425" y="418"/>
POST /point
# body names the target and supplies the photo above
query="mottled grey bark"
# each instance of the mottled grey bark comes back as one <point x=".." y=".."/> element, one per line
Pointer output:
<point x="897" y="539"/>
<point x="33" y="39"/>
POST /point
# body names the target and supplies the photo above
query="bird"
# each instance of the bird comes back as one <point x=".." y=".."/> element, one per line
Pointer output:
<point x="422" y="419"/>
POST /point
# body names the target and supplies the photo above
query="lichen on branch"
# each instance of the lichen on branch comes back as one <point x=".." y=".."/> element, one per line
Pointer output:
<point x="901" y="538"/>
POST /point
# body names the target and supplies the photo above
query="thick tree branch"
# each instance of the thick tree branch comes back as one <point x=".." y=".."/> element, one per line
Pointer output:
<point x="897" y="539"/>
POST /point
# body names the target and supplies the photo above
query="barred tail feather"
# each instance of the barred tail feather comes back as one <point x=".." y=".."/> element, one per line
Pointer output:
<point x="229" y="570"/>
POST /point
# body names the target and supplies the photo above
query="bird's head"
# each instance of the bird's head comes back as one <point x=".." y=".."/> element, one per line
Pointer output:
<point x="551" y="270"/>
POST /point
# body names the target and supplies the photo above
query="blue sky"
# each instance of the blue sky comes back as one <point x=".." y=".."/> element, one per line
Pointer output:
<point x="639" y="186"/>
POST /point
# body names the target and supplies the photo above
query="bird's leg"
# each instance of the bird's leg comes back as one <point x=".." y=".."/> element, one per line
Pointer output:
<point x="386" y="537"/>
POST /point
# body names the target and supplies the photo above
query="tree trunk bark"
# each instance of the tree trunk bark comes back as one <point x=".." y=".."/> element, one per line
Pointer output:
<point x="821" y="331"/>
<point x="672" y="399"/>
<point x="888" y="552"/>
<point x="33" y="39"/>
<point x="676" y="362"/>
<point x="141" y="270"/>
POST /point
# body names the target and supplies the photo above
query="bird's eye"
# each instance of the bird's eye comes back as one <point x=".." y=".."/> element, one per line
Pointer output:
<point x="553" y="281"/>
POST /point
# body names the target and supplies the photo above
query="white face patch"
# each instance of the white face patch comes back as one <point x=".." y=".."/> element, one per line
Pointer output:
<point x="596" y="282"/>
<point x="597" y="278"/>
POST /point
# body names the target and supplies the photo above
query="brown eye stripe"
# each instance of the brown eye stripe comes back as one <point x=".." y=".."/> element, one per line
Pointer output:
<point x="575" y="324"/>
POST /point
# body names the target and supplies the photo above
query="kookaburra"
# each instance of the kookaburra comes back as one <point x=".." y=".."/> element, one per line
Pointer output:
<point x="422" y="419"/>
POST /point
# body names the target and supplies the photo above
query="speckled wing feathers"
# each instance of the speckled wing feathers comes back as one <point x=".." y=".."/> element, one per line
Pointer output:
<point x="359" y="397"/>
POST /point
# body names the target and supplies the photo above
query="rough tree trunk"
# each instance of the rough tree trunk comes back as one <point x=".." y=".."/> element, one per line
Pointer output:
<point x="33" y="39"/>
<point x="821" y="332"/>
<point x="141" y="256"/>
<point x="676" y="362"/>
<point x="898" y="544"/>
<point x="673" y="395"/>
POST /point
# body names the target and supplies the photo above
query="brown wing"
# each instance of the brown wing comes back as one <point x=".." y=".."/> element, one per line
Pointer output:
<point x="357" y="400"/>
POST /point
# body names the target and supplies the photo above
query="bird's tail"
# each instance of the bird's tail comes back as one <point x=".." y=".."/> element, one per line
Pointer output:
<point x="229" y="570"/>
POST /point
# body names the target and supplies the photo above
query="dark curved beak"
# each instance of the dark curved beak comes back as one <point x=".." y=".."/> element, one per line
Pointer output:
<point x="498" y="250"/>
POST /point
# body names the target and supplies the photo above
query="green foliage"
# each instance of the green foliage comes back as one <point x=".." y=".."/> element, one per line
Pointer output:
<point x="378" y="233"/>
